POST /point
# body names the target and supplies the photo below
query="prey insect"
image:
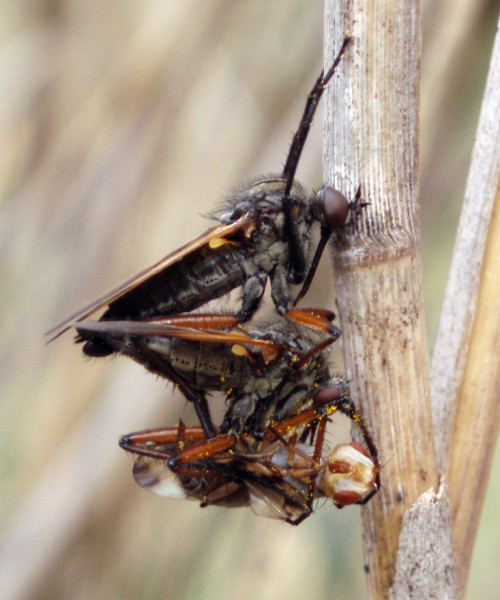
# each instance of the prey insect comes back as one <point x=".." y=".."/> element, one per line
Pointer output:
<point x="264" y="235"/>
<point x="266" y="371"/>
<point x="278" y="476"/>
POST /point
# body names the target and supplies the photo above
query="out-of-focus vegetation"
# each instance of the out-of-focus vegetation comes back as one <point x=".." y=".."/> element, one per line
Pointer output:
<point x="121" y="124"/>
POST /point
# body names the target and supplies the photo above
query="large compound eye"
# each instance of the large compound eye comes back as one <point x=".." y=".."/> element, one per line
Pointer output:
<point x="331" y="394"/>
<point x="335" y="208"/>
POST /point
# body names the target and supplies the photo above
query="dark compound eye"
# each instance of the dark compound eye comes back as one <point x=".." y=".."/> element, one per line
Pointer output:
<point x="336" y="208"/>
<point x="329" y="395"/>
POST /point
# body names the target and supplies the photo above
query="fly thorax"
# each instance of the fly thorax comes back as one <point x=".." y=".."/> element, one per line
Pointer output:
<point x="270" y="228"/>
<point x="276" y="253"/>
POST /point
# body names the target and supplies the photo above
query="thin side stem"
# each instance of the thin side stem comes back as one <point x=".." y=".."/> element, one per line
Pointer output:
<point x="465" y="377"/>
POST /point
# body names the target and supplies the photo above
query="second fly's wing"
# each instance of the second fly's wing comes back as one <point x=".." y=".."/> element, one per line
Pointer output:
<point x="215" y="329"/>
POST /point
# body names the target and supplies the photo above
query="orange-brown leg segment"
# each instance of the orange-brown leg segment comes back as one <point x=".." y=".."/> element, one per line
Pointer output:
<point x="188" y="445"/>
<point x="318" y="320"/>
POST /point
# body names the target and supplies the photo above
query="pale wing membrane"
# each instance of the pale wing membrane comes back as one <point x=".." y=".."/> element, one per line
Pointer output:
<point x="154" y="476"/>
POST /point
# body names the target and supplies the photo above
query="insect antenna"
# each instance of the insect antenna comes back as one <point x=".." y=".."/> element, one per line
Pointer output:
<point x="299" y="139"/>
<point x="297" y="268"/>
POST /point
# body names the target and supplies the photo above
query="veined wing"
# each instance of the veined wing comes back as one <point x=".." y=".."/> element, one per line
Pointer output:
<point x="210" y="237"/>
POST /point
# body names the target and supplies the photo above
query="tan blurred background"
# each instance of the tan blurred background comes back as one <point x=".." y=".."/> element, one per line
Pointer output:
<point x="120" y="123"/>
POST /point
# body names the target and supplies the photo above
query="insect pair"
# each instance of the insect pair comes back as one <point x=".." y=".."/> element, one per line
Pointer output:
<point x="268" y="376"/>
<point x="269" y="450"/>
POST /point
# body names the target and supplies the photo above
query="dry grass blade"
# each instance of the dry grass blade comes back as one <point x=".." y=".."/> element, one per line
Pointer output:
<point x="466" y="362"/>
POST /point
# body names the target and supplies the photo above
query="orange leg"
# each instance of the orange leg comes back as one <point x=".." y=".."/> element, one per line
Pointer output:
<point x="208" y="328"/>
<point x="318" y="320"/>
<point x="178" y="445"/>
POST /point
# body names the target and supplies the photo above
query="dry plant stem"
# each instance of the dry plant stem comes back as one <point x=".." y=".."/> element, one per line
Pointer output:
<point x="431" y="576"/>
<point x="465" y="379"/>
<point x="371" y="140"/>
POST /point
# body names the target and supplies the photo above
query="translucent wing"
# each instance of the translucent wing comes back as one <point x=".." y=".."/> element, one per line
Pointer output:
<point x="212" y="236"/>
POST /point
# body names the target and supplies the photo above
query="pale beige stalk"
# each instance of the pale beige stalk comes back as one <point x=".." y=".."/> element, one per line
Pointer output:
<point x="465" y="378"/>
<point x="371" y="139"/>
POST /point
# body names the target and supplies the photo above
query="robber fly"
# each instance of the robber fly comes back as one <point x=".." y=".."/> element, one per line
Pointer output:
<point x="278" y="476"/>
<point x="265" y="233"/>
<point x="266" y="371"/>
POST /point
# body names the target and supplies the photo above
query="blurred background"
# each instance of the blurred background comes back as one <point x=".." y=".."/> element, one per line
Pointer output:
<point x="121" y="123"/>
